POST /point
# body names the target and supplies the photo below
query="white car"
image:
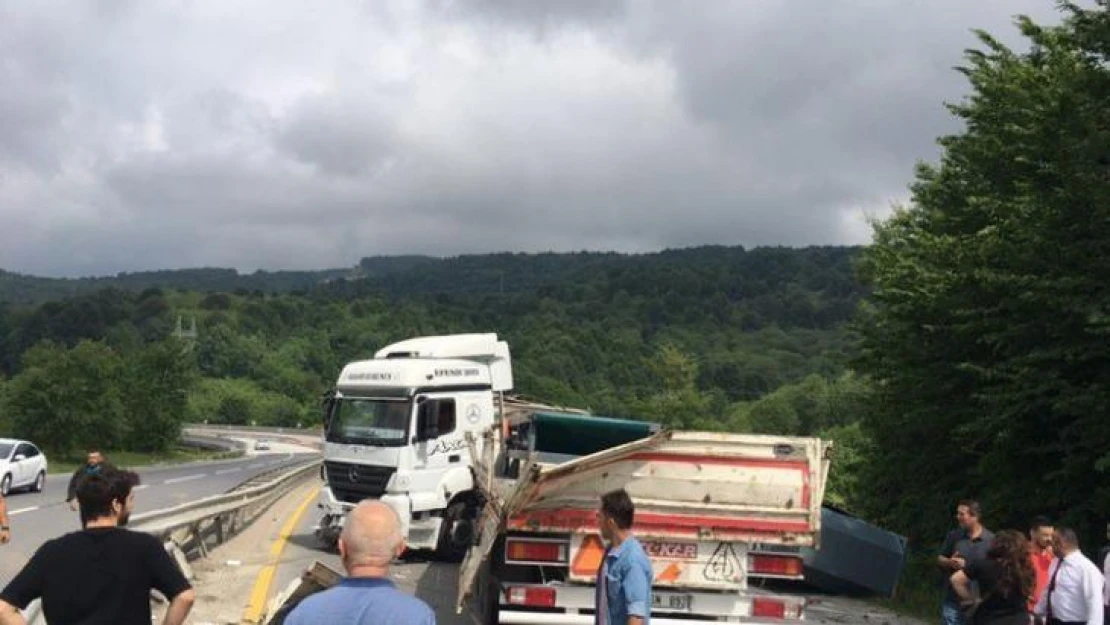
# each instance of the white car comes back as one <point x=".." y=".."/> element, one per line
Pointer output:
<point x="22" y="465"/>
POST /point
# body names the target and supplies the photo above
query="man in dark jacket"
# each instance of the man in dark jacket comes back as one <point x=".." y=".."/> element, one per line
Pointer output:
<point x="94" y="464"/>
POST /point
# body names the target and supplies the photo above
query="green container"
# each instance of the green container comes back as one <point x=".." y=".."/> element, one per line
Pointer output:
<point x="581" y="435"/>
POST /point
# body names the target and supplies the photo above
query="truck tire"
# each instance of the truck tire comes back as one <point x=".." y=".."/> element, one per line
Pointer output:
<point x="456" y="533"/>
<point x="327" y="536"/>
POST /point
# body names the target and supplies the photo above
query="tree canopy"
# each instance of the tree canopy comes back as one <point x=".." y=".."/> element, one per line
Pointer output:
<point x="691" y="338"/>
<point x="985" y="330"/>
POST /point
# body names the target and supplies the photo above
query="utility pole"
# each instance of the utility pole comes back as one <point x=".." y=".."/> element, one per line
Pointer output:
<point x="189" y="336"/>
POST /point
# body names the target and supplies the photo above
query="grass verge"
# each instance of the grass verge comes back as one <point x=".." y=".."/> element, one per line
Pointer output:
<point x="919" y="590"/>
<point x="176" y="455"/>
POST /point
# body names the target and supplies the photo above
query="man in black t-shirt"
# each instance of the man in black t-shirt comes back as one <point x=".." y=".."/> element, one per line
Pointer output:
<point x="962" y="547"/>
<point x="102" y="574"/>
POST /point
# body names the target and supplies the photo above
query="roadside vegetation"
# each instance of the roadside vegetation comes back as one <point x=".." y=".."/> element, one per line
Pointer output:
<point x="174" y="455"/>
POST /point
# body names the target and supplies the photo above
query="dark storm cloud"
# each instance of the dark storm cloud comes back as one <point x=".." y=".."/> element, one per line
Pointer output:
<point x="141" y="135"/>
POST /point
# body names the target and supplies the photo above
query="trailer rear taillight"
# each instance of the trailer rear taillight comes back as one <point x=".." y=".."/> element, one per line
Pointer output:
<point x="768" y="608"/>
<point x="786" y="566"/>
<point x="535" y="596"/>
<point x="520" y="550"/>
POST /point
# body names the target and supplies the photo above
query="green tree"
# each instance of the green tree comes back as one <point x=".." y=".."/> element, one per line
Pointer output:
<point x="986" y="329"/>
<point x="848" y="487"/>
<point x="67" y="399"/>
<point x="159" y="379"/>
<point x="233" y="410"/>
<point x="675" y="399"/>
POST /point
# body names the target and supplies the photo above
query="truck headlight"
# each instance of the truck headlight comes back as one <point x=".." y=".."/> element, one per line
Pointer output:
<point x="401" y="481"/>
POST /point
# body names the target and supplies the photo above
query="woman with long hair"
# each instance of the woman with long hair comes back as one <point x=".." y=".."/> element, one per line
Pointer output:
<point x="1005" y="579"/>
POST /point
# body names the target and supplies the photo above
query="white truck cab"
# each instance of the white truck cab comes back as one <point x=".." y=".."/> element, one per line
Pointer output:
<point x="395" y="430"/>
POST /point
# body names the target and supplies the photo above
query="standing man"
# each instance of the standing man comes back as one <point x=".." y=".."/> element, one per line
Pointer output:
<point x="1075" y="585"/>
<point x="1106" y="585"/>
<point x="5" y="529"/>
<point x="1104" y="562"/>
<point x="370" y="540"/>
<point x="1041" y="533"/>
<point x="962" y="546"/>
<point x="103" y="573"/>
<point x="94" y="463"/>
<point x="625" y="577"/>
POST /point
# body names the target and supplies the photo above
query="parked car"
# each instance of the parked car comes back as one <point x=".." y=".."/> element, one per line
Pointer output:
<point x="22" y="466"/>
<point x="262" y="445"/>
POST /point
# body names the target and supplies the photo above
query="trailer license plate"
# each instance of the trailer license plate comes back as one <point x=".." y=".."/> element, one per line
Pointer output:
<point x="670" y="601"/>
<point x="672" y="551"/>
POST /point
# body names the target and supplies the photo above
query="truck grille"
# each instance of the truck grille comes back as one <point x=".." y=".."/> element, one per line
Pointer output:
<point x="352" y="483"/>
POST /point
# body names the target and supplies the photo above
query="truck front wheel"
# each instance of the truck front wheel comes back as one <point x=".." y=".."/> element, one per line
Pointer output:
<point x="327" y="534"/>
<point x="456" y="533"/>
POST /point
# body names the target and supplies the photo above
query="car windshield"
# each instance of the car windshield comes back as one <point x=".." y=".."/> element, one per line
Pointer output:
<point x="375" y="422"/>
<point x="5" y="450"/>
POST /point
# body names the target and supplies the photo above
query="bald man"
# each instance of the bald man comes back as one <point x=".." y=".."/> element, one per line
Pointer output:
<point x="370" y="540"/>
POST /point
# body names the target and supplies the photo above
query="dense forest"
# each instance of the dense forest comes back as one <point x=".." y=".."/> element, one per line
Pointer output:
<point x="962" y="354"/>
<point x="689" y="337"/>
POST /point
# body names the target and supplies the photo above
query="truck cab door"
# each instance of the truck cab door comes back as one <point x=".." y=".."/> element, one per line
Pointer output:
<point x="438" y="447"/>
<point x="442" y="421"/>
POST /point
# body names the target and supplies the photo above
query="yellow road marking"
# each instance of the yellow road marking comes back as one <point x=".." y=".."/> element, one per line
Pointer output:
<point x="261" y="591"/>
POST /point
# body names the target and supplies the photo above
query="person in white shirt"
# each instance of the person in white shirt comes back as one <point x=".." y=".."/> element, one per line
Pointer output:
<point x="1075" y="585"/>
<point x="1106" y="587"/>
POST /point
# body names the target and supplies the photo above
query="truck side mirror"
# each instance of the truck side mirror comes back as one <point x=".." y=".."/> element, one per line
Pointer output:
<point x="427" y="421"/>
<point x="327" y="404"/>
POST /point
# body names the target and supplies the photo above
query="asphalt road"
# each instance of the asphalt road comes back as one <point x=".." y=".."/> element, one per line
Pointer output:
<point x="38" y="517"/>
<point x="434" y="582"/>
<point x="437" y="584"/>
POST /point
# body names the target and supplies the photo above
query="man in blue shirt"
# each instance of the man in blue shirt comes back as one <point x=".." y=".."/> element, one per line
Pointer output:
<point x="624" y="580"/>
<point x="370" y="540"/>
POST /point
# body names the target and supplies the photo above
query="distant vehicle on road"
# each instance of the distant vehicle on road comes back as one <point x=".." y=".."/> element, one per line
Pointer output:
<point x="262" y="445"/>
<point x="22" y="466"/>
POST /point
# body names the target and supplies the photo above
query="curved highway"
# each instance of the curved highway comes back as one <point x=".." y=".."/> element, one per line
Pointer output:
<point x="38" y="517"/>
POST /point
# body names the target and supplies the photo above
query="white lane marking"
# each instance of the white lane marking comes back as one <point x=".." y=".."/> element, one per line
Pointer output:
<point x="141" y="486"/>
<point x="223" y="471"/>
<point x="22" y="510"/>
<point x="187" y="478"/>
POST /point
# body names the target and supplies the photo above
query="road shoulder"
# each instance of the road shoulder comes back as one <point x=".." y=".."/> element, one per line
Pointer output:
<point x="225" y="580"/>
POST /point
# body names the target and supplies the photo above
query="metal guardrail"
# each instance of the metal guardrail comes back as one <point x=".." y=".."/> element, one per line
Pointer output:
<point x="212" y="442"/>
<point x="253" y="428"/>
<point x="167" y="521"/>
<point x="277" y="434"/>
<point x="188" y="528"/>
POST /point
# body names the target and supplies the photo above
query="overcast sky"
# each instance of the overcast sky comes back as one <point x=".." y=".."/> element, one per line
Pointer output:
<point x="273" y="134"/>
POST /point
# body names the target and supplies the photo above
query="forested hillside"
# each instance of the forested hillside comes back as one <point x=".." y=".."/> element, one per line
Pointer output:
<point x="689" y="337"/>
<point x="29" y="290"/>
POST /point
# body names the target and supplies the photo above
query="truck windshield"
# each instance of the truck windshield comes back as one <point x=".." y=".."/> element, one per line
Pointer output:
<point x="376" y="422"/>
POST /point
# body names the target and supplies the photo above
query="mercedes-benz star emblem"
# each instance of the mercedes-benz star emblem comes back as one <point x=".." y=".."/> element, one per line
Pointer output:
<point x="353" y="474"/>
